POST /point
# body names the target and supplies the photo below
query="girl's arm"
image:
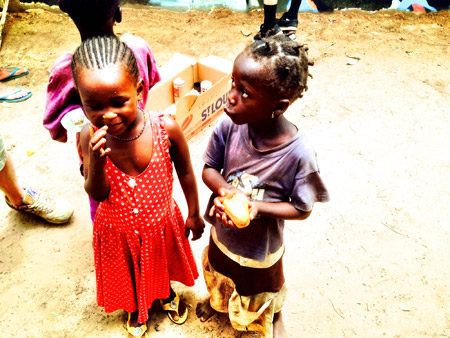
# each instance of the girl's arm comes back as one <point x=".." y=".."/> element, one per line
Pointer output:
<point x="96" y="182"/>
<point x="179" y="152"/>
<point x="280" y="210"/>
<point x="215" y="181"/>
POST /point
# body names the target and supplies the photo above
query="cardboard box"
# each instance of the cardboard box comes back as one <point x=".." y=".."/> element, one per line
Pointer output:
<point x="193" y="111"/>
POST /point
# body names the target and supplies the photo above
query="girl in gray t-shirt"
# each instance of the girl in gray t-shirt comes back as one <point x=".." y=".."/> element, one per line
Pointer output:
<point x="256" y="151"/>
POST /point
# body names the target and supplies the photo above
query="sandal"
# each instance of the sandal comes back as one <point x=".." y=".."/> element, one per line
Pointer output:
<point x="172" y="305"/>
<point x="22" y="94"/>
<point x="138" y="331"/>
<point x="12" y="74"/>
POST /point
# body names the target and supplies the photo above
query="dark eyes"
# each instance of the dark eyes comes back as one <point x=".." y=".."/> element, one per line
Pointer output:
<point x="95" y="107"/>
<point x="118" y="104"/>
<point x="114" y="104"/>
<point x="241" y="89"/>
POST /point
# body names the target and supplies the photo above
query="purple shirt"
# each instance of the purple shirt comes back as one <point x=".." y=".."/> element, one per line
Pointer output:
<point x="62" y="96"/>
<point x="287" y="173"/>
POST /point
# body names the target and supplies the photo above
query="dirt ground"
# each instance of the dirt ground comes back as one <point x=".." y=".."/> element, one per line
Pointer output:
<point x="373" y="262"/>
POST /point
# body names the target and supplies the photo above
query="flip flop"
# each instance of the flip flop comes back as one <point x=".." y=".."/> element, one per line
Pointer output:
<point x="13" y="75"/>
<point x="173" y="306"/>
<point x="138" y="331"/>
<point x="23" y="98"/>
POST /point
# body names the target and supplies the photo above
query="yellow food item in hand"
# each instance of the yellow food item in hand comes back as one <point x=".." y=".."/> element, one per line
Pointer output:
<point x="236" y="208"/>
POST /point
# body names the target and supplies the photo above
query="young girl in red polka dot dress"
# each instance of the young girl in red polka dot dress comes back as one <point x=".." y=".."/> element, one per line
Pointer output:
<point x="140" y="237"/>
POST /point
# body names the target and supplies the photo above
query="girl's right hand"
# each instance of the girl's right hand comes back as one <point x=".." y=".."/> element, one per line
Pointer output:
<point x="97" y="143"/>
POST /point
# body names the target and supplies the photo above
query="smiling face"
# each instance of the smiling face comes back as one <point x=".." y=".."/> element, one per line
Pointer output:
<point x="110" y="97"/>
<point x="249" y="99"/>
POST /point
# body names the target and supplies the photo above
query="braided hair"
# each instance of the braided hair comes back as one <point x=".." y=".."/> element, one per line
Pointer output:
<point x="286" y="63"/>
<point x="101" y="52"/>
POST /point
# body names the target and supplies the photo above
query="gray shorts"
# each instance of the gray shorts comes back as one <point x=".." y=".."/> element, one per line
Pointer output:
<point x="2" y="154"/>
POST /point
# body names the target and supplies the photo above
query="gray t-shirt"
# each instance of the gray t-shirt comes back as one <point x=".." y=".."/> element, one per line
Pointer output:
<point x="287" y="173"/>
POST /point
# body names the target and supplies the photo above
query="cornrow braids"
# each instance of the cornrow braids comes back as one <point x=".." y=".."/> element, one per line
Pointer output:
<point x="286" y="63"/>
<point x="101" y="52"/>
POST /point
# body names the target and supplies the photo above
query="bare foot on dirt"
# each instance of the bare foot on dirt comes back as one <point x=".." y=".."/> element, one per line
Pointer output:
<point x="279" y="331"/>
<point x="204" y="310"/>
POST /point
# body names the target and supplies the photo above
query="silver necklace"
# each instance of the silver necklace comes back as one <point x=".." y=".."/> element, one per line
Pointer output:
<point x="135" y="137"/>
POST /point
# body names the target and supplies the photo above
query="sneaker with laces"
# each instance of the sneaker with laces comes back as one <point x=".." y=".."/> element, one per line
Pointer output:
<point x="287" y="25"/>
<point x="53" y="211"/>
<point x="265" y="33"/>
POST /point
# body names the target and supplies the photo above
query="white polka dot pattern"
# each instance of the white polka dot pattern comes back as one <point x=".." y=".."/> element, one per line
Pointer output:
<point x="139" y="242"/>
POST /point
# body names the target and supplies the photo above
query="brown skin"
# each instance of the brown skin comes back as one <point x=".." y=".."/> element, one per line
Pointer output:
<point x="9" y="183"/>
<point x="109" y="99"/>
<point x="5" y="72"/>
<point x="251" y="102"/>
<point x="104" y="29"/>
<point x="11" y="92"/>
<point x="279" y="330"/>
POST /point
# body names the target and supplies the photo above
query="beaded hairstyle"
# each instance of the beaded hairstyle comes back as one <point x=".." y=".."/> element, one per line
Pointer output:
<point x="286" y="63"/>
<point x="101" y="52"/>
<point x="89" y="12"/>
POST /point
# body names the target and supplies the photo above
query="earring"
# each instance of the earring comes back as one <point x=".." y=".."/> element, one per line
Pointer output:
<point x="273" y="114"/>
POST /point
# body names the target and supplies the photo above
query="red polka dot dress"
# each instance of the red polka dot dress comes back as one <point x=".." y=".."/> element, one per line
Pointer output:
<point x="139" y="242"/>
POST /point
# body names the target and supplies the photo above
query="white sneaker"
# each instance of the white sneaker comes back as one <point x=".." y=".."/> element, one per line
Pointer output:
<point x="53" y="211"/>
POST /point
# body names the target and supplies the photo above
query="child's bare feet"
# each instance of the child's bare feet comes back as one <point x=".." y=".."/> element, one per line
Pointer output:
<point x="134" y="329"/>
<point x="279" y="331"/>
<point x="204" y="310"/>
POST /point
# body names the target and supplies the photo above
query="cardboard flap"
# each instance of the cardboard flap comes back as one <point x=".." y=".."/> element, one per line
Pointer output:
<point x="218" y="63"/>
<point x="193" y="110"/>
<point x="176" y="64"/>
<point x="184" y="105"/>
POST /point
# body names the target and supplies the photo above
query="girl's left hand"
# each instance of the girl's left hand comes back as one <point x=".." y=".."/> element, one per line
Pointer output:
<point x="196" y="224"/>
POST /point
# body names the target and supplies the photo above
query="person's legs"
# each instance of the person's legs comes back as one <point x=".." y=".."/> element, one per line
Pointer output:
<point x="53" y="211"/>
<point x="9" y="183"/>
<point x="288" y="22"/>
<point x="270" y="13"/>
<point x="269" y="27"/>
<point x="292" y="12"/>
<point x="278" y="326"/>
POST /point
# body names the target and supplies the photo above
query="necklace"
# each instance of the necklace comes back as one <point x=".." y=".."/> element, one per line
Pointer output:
<point x="138" y="135"/>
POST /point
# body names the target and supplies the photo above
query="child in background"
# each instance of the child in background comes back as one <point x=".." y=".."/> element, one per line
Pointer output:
<point x="257" y="152"/>
<point x="92" y="18"/>
<point x="140" y="239"/>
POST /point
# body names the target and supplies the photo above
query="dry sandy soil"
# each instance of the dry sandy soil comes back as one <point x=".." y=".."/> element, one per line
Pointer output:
<point x="373" y="262"/>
